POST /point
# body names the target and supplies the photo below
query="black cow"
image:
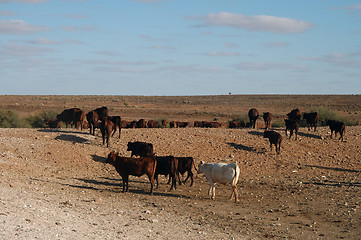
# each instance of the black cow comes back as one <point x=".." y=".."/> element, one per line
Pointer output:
<point x="292" y="125"/>
<point x="102" y="113"/>
<point x="167" y="166"/>
<point x="337" y="127"/>
<point x="67" y="116"/>
<point x="117" y="121"/>
<point x="311" y="119"/>
<point x="295" y="114"/>
<point x="141" y="149"/>
<point x="253" y="115"/>
<point x="274" y="138"/>
<point x="93" y="120"/>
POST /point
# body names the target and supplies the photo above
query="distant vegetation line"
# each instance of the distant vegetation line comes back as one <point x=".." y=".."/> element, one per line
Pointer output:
<point x="12" y="119"/>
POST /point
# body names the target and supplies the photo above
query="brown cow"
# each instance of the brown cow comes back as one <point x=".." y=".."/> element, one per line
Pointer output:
<point x="267" y="117"/>
<point x="134" y="167"/>
<point x="237" y="124"/>
<point x="141" y="124"/>
<point x="93" y="120"/>
<point x="337" y="127"/>
<point x="274" y="138"/>
<point x="152" y="124"/>
<point x="106" y="128"/>
<point x="167" y="166"/>
<point x="102" y="113"/>
<point x="253" y="116"/>
<point x="79" y="119"/>
<point x="185" y="164"/>
<point x="311" y="119"/>
<point x="117" y="121"/>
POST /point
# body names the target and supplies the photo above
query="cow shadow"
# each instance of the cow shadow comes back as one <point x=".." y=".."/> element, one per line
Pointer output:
<point x="97" y="158"/>
<point x="334" y="183"/>
<point x="310" y="135"/>
<point x="256" y="133"/>
<point x="59" y="130"/>
<point x="334" y="169"/>
<point x="71" y="138"/>
<point x="119" y="184"/>
<point x="247" y="148"/>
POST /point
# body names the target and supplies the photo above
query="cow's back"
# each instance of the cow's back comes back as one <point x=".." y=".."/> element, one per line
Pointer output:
<point x="222" y="172"/>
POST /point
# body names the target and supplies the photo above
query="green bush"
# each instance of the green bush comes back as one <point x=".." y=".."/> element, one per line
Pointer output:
<point x="39" y="120"/>
<point x="10" y="119"/>
<point x="240" y="118"/>
<point x="327" y="114"/>
<point x="278" y="123"/>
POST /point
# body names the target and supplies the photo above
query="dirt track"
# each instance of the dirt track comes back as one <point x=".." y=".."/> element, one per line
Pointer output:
<point x="55" y="185"/>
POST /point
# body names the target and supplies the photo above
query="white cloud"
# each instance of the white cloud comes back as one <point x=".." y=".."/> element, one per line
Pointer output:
<point x="338" y="59"/>
<point x="23" y="1"/>
<point x="77" y="29"/>
<point x="43" y="41"/>
<point x="354" y="9"/>
<point x="23" y="50"/>
<point x="262" y="23"/>
<point x="19" y="27"/>
<point x="267" y="66"/>
<point x="6" y="13"/>
<point x="276" y="44"/>
<point x="220" y="54"/>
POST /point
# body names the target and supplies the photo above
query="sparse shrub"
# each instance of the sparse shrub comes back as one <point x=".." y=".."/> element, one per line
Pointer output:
<point x="327" y="114"/>
<point x="278" y="123"/>
<point x="240" y="118"/>
<point x="39" y="120"/>
<point x="10" y="119"/>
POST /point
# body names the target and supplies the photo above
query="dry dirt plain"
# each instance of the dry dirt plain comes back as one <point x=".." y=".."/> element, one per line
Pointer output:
<point x="55" y="185"/>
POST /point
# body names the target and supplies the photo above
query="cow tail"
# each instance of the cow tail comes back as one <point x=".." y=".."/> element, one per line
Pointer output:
<point x="194" y="166"/>
<point x="235" y="179"/>
<point x="155" y="167"/>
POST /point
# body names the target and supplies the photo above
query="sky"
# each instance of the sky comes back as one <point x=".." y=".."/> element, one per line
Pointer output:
<point x="179" y="47"/>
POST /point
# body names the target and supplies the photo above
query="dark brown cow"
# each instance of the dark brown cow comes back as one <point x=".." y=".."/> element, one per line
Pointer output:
<point x="337" y="127"/>
<point x="311" y="119"/>
<point x="79" y="119"/>
<point x="93" y="120"/>
<point x="53" y="124"/>
<point x="152" y="124"/>
<point x="267" y="117"/>
<point x="141" y="149"/>
<point x="172" y="124"/>
<point x="274" y="138"/>
<point x="106" y="128"/>
<point x="67" y="116"/>
<point x="164" y="123"/>
<point x="295" y="114"/>
<point x="134" y="167"/>
<point x="237" y="124"/>
<point x="185" y="164"/>
<point x="167" y="166"/>
<point x="117" y="120"/>
<point x="198" y="124"/>
<point x="102" y="113"/>
<point x="253" y="116"/>
<point x="141" y="123"/>
<point x="182" y="124"/>
<point x="292" y="125"/>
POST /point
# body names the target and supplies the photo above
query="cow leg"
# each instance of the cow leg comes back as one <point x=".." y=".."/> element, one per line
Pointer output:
<point x="174" y="183"/>
<point x="156" y="179"/>
<point x="291" y="133"/>
<point x="234" y="191"/>
<point x="151" y="180"/>
<point x="296" y="132"/>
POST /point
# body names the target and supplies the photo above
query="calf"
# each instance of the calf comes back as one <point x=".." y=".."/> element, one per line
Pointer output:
<point x="220" y="173"/>
<point x="311" y="119"/>
<point x="167" y="166"/>
<point x="267" y="117"/>
<point x="117" y="121"/>
<point x="106" y="128"/>
<point x="253" y="116"/>
<point x="79" y="119"/>
<point x="185" y="164"/>
<point x="133" y="166"/>
<point x="292" y="125"/>
<point x="274" y="138"/>
<point x="337" y="127"/>
<point x="141" y="149"/>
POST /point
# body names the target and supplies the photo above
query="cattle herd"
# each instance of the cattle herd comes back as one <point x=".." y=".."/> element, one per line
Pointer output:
<point x="148" y="163"/>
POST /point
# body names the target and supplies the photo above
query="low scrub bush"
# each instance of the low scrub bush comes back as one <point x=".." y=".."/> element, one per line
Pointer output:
<point x="39" y="120"/>
<point x="240" y="118"/>
<point x="10" y="119"/>
<point x="327" y="114"/>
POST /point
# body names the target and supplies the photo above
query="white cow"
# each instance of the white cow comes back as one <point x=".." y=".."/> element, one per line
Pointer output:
<point x="220" y="173"/>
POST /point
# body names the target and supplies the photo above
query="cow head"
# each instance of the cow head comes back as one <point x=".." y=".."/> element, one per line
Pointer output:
<point x="112" y="156"/>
